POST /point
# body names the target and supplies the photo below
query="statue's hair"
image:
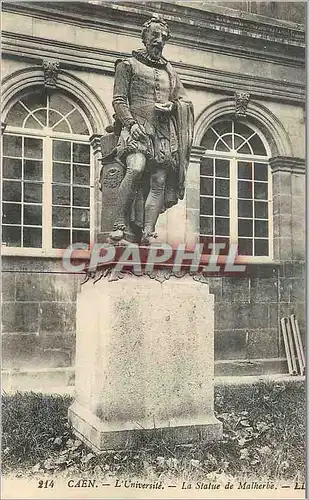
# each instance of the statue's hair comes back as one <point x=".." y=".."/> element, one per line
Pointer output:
<point x="156" y="19"/>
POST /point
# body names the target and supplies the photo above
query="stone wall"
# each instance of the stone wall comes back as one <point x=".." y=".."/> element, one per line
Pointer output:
<point x="39" y="304"/>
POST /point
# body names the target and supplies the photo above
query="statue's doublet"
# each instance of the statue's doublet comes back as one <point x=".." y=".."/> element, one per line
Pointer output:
<point x="142" y="86"/>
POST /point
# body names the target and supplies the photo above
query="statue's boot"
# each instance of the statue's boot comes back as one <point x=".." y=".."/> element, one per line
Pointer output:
<point x="148" y="238"/>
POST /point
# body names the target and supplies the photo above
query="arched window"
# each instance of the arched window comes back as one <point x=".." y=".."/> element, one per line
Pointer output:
<point x="46" y="172"/>
<point x="235" y="188"/>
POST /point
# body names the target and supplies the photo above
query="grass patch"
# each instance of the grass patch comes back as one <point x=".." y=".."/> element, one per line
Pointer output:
<point x="264" y="437"/>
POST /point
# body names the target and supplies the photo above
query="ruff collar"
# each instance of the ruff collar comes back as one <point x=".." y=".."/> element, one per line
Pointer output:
<point x="143" y="56"/>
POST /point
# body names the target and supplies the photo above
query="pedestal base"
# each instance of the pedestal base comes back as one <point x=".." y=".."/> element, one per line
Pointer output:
<point x="144" y="362"/>
<point x="100" y="436"/>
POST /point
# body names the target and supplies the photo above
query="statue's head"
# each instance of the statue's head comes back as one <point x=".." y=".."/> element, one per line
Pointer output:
<point x="155" y="34"/>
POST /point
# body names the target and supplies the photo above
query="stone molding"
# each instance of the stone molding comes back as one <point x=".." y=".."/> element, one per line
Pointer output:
<point x="95" y="141"/>
<point x="160" y="275"/>
<point x="51" y="69"/>
<point x="288" y="164"/>
<point x="3" y="127"/>
<point x="187" y="25"/>
<point x="241" y="103"/>
<point x="74" y="56"/>
<point x="32" y="77"/>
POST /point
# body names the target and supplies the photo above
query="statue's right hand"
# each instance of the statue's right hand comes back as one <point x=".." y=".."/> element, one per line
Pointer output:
<point x="138" y="132"/>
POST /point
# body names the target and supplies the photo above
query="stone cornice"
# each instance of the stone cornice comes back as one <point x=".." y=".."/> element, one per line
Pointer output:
<point x="255" y="37"/>
<point x="288" y="164"/>
<point x="73" y="56"/>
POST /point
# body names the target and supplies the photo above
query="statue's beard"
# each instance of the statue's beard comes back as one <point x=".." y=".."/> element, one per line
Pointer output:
<point x="154" y="51"/>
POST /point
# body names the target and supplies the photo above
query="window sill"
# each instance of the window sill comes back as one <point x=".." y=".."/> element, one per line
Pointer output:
<point x="39" y="252"/>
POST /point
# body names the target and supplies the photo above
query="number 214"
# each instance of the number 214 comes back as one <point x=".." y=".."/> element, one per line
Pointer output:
<point x="46" y="484"/>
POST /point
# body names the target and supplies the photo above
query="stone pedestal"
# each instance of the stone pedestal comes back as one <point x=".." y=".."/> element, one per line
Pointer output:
<point x="144" y="362"/>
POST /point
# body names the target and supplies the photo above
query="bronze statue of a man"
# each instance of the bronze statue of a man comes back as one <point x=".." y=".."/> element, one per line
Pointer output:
<point x="155" y="126"/>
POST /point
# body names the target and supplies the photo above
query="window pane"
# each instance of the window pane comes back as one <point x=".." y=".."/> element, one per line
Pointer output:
<point x="32" y="170"/>
<point x="223" y="127"/>
<point x="81" y="217"/>
<point x="11" y="213"/>
<point x="261" y="190"/>
<point x="261" y="247"/>
<point x="12" y="145"/>
<point x="62" y="127"/>
<point x="31" y="122"/>
<point x="222" y="168"/>
<point x="59" y="103"/>
<point x="245" y="246"/>
<point x="54" y="117"/>
<point x="81" y="174"/>
<point x="222" y="226"/>
<point x="35" y="100"/>
<point x="245" y="208"/>
<point x="61" y="238"/>
<point x="241" y="129"/>
<point x="12" y="168"/>
<point x="32" y="237"/>
<point x="221" y="146"/>
<point x="206" y="206"/>
<point x="77" y="123"/>
<point x="81" y="153"/>
<point x="16" y="115"/>
<point x="245" y="227"/>
<point x="11" y="190"/>
<point x="61" y="217"/>
<point x="222" y="187"/>
<point x="258" y="146"/>
<point x="261" y="228"/>
<point x="244" y="170"/>
<point x="207" y="166"/>
<point x="209" y="140"/>
<point x="260" y="172"/>
<point x="62" y="151"/>
<point x="41" y="115"/>
<point x="244" y="189"/>
<point x="62" y="173"/>
<point x="33" y="215"/>
<point x="61" y="195"/>
<point x="222" y="206"/>
<point x="11" y="236"/>
<point x="32" y="192"/>
<point x="206" y="225"/>
<point x="245" y="149"/>
<point x="81" y="197"/>
<point x="33" y="148"/>
<point x="206" y="240"/>
<point x="206" y="186"/>
<point x="226" y="241"/>
<point x="81" y="237"/>
<point x="261" y="209"/>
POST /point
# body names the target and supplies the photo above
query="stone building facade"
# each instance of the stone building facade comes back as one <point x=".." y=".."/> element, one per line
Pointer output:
<point x="243" y="65"/>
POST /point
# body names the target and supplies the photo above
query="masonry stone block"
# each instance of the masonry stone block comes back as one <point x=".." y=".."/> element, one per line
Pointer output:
<point x="230" y="344"/>
<point x="193" y="220"/>
<point x="298" y="182"/>
<point x="57" y="317"/>
<point x="235" y="289"/>
<point x="263" y="343"/>
<point x="19" y="350"/>
<point x="258" y="316"/>
<point x="20" y="317"/>
<point x="192" y="198"/>
<point x="8" y="286"/>
<point x="215" y="287"/>
<point x="263" y="290"/>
